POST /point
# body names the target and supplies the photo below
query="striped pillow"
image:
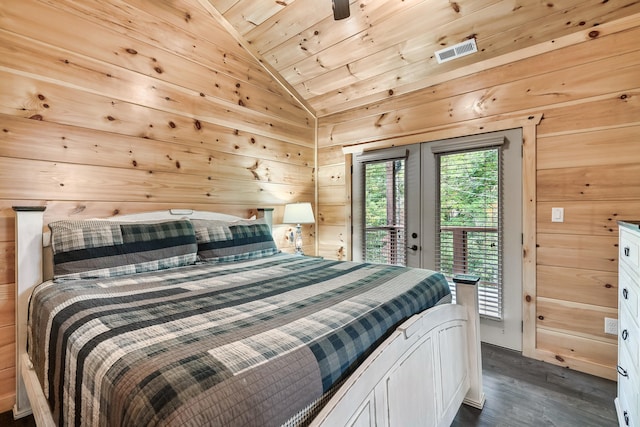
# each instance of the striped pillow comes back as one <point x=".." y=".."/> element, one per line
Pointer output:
<point x="98" y="248"/>
<point x="221" y="241"/>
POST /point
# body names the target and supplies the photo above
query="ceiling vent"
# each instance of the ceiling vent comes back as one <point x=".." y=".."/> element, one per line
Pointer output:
<point x="456" y="51"/>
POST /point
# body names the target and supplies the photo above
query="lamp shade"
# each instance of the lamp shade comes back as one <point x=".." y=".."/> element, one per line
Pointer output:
<point x="298" y="213"/>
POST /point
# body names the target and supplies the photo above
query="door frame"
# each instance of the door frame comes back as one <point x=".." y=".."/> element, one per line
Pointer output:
<point x="529" y="123"/>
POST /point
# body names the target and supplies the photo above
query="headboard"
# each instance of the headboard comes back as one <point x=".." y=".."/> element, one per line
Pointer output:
<point x="30" y="239"/>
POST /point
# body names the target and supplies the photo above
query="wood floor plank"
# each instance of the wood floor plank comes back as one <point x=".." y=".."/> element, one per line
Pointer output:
<point x="525" y="392"/>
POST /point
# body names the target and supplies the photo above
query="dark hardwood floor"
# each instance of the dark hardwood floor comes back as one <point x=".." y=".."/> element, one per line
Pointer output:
<point x="520" y="392"/>
<point x="523" y="392"/>
<point x="6" y="420"/>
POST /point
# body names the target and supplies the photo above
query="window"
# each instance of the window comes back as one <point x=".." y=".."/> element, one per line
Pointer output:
<point x="385" y="205"/>
<point x="469" y="221"/>
<point x="384" y="212"/>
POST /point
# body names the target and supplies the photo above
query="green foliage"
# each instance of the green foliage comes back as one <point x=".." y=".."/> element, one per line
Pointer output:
<point x="469" y="188"/>
<point x="469" y="192"/>
<point x="384" y="207"/>
<point x="383" y="179"/>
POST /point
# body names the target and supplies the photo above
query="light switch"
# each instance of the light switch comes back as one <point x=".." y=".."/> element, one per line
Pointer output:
<point x="557" y="214"/>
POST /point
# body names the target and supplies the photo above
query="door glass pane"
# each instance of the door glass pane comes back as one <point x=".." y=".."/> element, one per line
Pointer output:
<point x="469" y="222"/>
<point x="384" y="212"/>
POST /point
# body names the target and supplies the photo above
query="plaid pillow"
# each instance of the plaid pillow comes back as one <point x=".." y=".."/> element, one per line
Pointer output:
<point x="220" y="241"/>
<point x="95" y="248"/>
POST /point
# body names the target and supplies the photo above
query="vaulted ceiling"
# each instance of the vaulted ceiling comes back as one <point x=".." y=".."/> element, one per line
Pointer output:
<point x="386" y="47"/>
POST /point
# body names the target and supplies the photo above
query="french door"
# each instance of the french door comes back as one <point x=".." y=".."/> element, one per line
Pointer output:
<point x="420" y="227"/>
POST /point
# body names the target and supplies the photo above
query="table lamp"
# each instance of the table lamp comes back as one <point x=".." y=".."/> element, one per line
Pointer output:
<point x="298" y="213"/>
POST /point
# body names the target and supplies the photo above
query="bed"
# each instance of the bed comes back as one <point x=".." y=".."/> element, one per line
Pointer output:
<point x="198" y="319"/>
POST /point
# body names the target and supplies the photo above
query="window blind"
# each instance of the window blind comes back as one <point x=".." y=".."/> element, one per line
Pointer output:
<point x="469" y="221"/>
<point x="384" y="235"/>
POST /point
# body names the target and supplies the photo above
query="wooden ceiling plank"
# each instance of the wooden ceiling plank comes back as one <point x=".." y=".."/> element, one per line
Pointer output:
<point x="286" y="24"/>
<point x="398" y="28"/>
<point x="246" y="15"/>
<point x="223" y="5"/>
<point x="420" y="50"/>
<point x="482" y="24"/>
<point x="344" y="80"/>
<point x="576" y="17"/>
<point x="359" y="96"/>
<point x="327" y="32"/>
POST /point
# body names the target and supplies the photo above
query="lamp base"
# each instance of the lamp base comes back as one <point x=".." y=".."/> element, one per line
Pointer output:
<point x="298" y="240"/>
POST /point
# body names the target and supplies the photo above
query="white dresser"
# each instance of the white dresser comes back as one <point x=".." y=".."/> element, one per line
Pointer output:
<point x="628" y="400"/>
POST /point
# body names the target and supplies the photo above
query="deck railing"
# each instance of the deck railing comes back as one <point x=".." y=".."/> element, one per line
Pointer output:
<point x="462" y="261"/>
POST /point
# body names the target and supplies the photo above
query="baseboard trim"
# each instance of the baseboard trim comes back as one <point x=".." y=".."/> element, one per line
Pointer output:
<point x="475" y="403"/>
<point x="21" y="414"/>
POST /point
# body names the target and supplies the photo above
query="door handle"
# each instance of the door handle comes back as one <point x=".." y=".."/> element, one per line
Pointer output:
<point x="413" y="247"/>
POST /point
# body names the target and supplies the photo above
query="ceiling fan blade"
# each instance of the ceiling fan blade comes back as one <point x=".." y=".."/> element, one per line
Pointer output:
<point x="340" y="9"/>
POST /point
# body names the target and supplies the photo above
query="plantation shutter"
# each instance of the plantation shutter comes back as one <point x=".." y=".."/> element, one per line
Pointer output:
<point x="469" y="217"/>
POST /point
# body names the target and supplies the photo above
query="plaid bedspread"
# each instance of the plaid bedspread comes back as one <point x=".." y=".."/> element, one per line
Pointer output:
<point x="247" y="343"/>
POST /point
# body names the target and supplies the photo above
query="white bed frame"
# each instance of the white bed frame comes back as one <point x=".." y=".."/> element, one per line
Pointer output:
<point x="420" y="375"/>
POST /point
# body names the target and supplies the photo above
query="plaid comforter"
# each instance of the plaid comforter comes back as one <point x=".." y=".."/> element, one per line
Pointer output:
<point x="247" y="343"/>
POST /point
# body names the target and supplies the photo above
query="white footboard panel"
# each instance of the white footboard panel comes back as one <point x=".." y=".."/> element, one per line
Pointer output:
<point x="418" y="377"/>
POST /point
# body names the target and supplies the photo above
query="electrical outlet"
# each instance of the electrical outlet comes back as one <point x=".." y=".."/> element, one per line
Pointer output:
<point x="610" y="326"/>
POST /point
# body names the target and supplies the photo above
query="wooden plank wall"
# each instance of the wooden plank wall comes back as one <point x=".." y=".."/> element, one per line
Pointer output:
<point x="133" y="105"/>
<point x="587" y="161"/>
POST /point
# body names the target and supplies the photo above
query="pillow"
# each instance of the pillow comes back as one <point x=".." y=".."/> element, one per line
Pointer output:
<point x="99" y="248"/>
<point x="220" y="241"/>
